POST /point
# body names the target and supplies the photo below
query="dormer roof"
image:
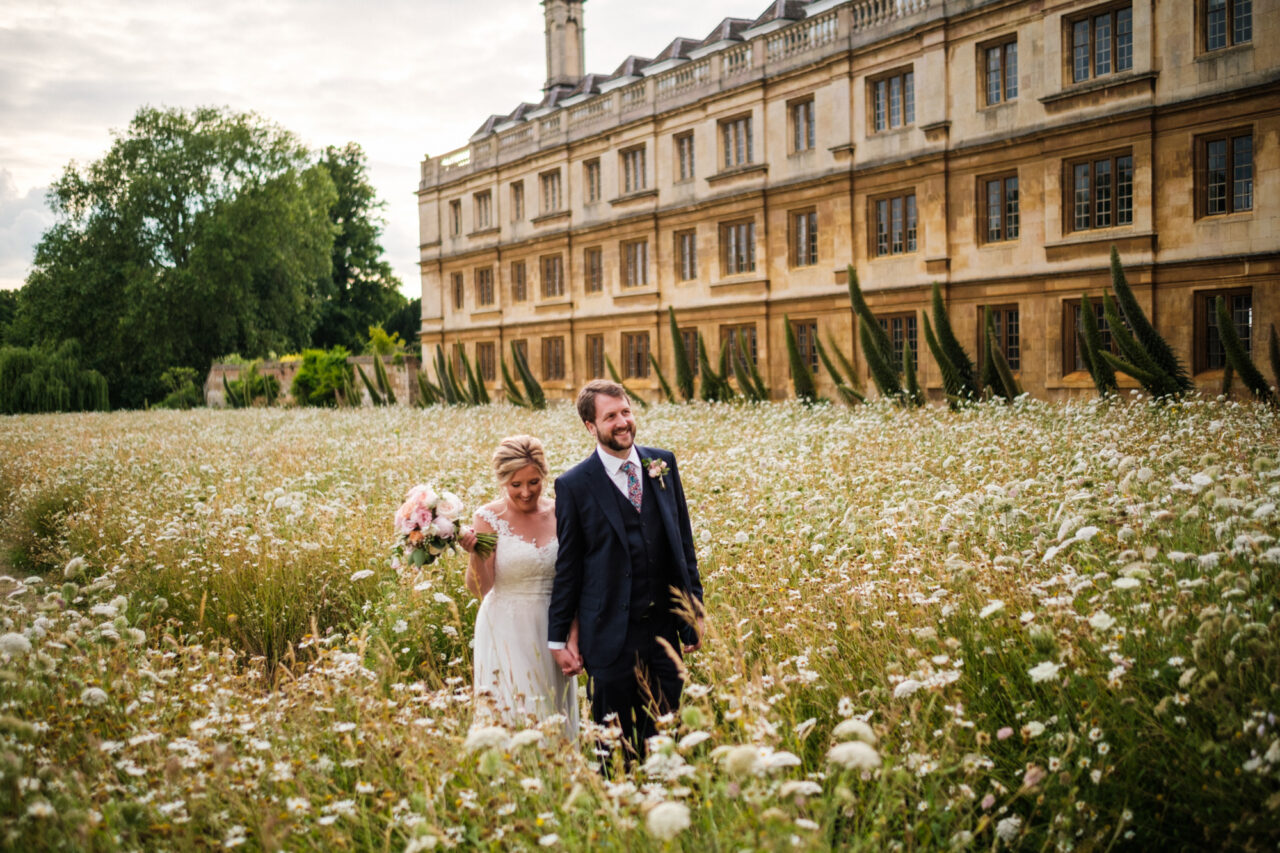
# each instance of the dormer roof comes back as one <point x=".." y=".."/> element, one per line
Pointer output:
<point x="786" y="10"/>
<point x="630" y="67"/>
<point x="729" y="29"/>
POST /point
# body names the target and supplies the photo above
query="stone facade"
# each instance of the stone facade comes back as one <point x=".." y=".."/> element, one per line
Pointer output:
<point x="600" y="177"/>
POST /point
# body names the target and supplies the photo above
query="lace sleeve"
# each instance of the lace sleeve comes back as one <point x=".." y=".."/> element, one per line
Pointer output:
<point x="496" y="523"/>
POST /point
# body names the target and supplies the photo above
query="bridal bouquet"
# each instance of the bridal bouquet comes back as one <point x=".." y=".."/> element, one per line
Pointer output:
<point x="428" y="524"/>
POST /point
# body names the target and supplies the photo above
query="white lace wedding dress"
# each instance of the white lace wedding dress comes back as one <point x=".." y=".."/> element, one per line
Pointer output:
<point x="516" y="677"/>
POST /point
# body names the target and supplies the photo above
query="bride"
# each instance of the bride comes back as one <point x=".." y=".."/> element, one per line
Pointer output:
<point x="515" y="674"/>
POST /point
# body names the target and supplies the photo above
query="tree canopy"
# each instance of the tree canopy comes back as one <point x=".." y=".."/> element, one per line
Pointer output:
<point x="362" y="290"/>
<point x="200" y="232"/>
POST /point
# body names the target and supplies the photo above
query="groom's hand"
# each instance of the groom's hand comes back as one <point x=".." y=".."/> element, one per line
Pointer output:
<point x="569" y="663"/>
<point x="697" y="644"/>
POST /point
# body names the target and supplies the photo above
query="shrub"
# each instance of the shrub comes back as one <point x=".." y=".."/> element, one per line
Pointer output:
<point x="43" y="379"/>
<point x="183" y="391"/>
<point x="324" y="379"/>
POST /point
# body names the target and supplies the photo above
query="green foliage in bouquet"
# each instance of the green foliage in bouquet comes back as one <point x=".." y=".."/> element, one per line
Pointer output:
<point x="684" y="370"/>
<point x="801" y="375"/>
<point x="1238" y="359"/>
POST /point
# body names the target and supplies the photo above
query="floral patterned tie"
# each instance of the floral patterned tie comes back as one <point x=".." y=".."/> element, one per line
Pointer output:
<point x="633" y="484"/>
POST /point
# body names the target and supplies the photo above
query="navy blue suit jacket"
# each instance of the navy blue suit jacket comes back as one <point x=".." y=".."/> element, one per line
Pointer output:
<point x="593" y="564"/>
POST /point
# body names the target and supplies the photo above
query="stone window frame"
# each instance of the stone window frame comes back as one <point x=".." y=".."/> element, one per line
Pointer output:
<point x="593" y="269"/>
<point x="1116" y="46"/>
<point x="482" y="210"/>
<point x="1205" y="356"/>
<point x="1072" y="362"/>
<point x="802" y="236"/>
<point x="910" y="223"/>
<point x="594" y="348"/>
<point x="486" y="360"/>
<point x="733" y="244"/>
<point x="483" y="280"/>
<point x="633" y="169"/>
<point x="635" y="355"/>
<point x="685" y="160"/>
<point x="910" y="327"/>
<point x="1121" y="216"/>
<point x="802" y="124"/>
<point x="737" y="141"/>
<point x="1001" y="316"/>
<point x="519" y="281"/>
<point x="553" y="357"/>
<point x="880" y="92"/>
<point x="635" y="262"/>
<point x="729" y="332"/>
<point x="455" y="217"/>
<point x="458" y="284"/>
<point x="592" y="187"/>
<point x="1000" y="49"/>
<point x="1237" y="28"/>
<point x="517" y="200"/>
<point x="805" y="331"/>
<point x="549" y="183"/>
<point x="685" y="253"/>
<point x="551" y="268"/>
<point x="1009" y="221"/>
<point x="689" y="340"/>
<point x="1231" y="137"/>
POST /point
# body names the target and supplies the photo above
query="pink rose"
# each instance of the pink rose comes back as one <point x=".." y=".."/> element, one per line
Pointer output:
<point x="444" y="527"/>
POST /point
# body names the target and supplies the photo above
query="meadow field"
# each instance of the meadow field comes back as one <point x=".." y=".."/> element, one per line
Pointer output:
<point x="1032" y="626"/>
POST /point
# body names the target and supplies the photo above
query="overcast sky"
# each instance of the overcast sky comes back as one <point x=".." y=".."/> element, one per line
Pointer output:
<point x="403" y="78"/>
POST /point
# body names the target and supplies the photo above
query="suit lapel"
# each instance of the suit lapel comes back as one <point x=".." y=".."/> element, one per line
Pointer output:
<point x="666" y="504"/>
<point x="600" y="486"/>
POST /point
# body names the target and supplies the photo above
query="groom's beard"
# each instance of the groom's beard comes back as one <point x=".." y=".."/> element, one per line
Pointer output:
<point x="611" y="440"/>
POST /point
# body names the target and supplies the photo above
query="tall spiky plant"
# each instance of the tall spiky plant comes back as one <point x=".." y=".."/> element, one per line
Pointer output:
<point x="801" y="374"/>
<point x="1090" y="343"/>
<point x="1137" y="362"/>
<point x="846" y="392"/>
<point x="846" y="366"/>
<point x="877" y="333"/>
<point x="1273" y="350"/>
<point x="962" y="366"/>
<point x="713" y="384"/>
<point x="631" y="395"/>
<point x="882" y="371"/>
<point x="1238" y="358"/>
<point x="471" y="373"/>
<point x="662" y="380"/>
<point x="738" y="359"/>
<point x="374" y="397"/>
<point x="952" y="384"/>
<point x="1008" y="386"/>
<point x="428" y="394"/>
<point x="449" y="387"/>
<point x="684" y="370"/>
<point x="509" y="388"/>
<point x="913" y="395"/>
<point x="1145" y="333"/>
<point x="753" y="371"/>
<point x="532" y="389"/>
<point x="384" y="381"/>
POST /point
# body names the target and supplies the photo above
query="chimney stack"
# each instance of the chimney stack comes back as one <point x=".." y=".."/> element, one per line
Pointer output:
<point x="566" y="62"/>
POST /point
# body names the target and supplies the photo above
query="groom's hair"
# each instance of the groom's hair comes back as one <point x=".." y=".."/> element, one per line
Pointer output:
<point x="594" y="388"/>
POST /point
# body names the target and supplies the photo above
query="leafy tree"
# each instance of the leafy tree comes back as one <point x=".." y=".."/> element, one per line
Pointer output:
<point x="8" y="306"/>
<point x="48" y="379"/>
<point x="198" y="232"/>
<point x="360" y="290"/>
<point x="406" y="321"/>
<point x="181" y="384"/>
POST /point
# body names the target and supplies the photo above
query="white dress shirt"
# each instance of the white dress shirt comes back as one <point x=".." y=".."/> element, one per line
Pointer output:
<point x="613" y="467"/>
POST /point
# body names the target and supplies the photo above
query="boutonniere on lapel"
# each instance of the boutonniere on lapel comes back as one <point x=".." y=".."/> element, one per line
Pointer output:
<point x="657" y="470"/>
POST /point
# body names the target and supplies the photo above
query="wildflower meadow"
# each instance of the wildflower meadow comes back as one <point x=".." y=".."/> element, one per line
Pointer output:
<point x="1028" y="626"/>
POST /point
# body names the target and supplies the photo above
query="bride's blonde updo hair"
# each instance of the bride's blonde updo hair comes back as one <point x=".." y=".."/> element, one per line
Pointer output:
<point x="516" y="452"/>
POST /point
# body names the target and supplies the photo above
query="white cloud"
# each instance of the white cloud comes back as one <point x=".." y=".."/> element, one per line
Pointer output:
<point x="403" y="78"/>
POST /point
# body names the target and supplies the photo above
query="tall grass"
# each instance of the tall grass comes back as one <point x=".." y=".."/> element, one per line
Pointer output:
<point x="1058" y="623"/>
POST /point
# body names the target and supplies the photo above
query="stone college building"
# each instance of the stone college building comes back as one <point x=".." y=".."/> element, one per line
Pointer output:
<point x="999" y="147"/>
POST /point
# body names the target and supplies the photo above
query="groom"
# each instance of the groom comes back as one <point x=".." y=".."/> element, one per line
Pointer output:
<point x="625" y="542"/>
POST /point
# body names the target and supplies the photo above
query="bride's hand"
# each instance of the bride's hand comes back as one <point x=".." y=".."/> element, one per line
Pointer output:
<point x="467" y="539"/>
